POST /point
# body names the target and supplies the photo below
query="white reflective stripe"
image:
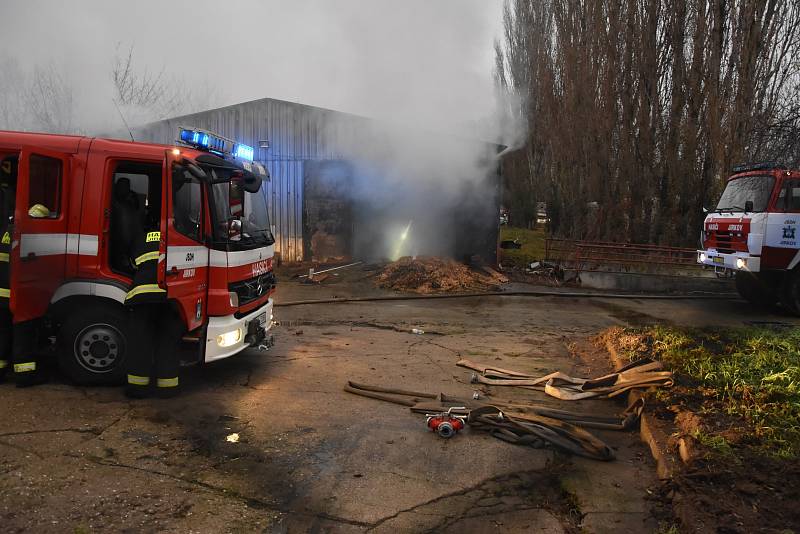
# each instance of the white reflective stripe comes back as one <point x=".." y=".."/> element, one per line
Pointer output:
<point x="86" y="244"/>
<point x="55" y="244"/>
<point x="217" y="258"/>
<point x="178" y="257"/>
<point x="220" y="258"/>
<point x="43" y="244"/>
<point x="106" y="290"/>
<point x="795" y="261"/>
<point x="189" y="257"/>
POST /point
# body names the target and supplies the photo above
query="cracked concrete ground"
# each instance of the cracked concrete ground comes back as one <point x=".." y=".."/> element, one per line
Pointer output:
<point x="311" y="457"/>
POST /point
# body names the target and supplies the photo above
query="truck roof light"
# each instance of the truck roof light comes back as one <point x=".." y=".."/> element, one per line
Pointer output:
<point x="243" y="151"/>
<point x="764" y="166"/>
<point x="204" y="140"/>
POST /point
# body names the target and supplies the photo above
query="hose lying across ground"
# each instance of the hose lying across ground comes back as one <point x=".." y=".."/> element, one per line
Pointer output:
<point x="710" y="296"/>
<point x="522" y="427"/>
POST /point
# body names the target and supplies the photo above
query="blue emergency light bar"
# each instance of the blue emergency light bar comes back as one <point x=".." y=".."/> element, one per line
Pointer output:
<point x="214" y="143"/>
<point x="244" y="152"/>
<point x="205" y="140"/>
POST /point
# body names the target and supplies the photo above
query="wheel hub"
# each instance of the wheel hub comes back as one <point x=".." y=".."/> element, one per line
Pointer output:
<point x="97" y="348"/>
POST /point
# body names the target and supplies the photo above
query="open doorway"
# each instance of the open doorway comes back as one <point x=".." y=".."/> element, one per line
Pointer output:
<point x="135" y="205"/>
<point x="9" y="163"/>
<point x="327" y="211"/>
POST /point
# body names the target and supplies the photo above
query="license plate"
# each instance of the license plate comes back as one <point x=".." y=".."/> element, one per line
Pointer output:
<point x="719" y="260"/>
<point x="262" y="319"/>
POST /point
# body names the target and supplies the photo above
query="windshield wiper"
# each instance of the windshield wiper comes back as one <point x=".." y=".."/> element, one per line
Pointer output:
<point x="730" y="209"/>
<point x="261" y="237"/>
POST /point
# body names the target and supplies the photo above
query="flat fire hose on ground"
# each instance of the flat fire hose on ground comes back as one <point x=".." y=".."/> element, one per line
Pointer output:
<point x="640" y="374"/>
<point x="519" y="423"/>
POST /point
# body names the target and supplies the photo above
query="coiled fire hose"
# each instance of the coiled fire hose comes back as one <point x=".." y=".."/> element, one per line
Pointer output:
<point x="519" y="423"/>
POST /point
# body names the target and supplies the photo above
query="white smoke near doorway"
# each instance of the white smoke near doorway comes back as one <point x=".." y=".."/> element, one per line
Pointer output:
<point x="415" y="192"/>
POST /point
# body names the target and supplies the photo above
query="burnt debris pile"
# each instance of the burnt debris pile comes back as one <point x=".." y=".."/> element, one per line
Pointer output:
<point x="428" y="274"/>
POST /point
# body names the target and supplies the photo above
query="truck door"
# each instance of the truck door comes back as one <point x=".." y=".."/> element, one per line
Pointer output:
<point x="40" y="242"/>
<point x="187" y="256"/>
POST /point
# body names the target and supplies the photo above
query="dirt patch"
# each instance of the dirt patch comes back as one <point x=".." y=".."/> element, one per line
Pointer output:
<point x="433" y="275"/>
<point x="733" y="476"/>
<point x="627" y="315"/>
<point x="754" y="493"/>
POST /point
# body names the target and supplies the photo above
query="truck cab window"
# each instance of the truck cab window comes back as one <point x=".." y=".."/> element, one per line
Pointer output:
<point x="187" y="203"/>
<point x="791" y="196"/>
<point x="8" y="187"/>
<point x="44" y="187"/>
<point x="135" y="205"/>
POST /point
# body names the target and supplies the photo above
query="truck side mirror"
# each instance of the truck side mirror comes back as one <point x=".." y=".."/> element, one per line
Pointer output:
<point x="748" y="206"/>
<point x="235" y="230"/>
<point x="196" y="171"/>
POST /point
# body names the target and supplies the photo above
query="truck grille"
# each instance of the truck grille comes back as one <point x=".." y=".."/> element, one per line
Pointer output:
<point x="726" y="242"/>
<point x="254" y="288"/>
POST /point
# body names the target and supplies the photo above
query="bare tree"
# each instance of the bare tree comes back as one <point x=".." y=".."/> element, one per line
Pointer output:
<point x="637" y="109"/>
<point x="49" y="101"/>
<point x="12" y="89"/>
<point x="152" y="95"/>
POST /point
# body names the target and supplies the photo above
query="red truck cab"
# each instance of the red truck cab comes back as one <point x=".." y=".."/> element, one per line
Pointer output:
<point x="754" y="232"/>
<point x="70" y="260"/>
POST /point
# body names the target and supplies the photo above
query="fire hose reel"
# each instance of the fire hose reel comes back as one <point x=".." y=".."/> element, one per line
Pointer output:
<point x="446" y="424"/>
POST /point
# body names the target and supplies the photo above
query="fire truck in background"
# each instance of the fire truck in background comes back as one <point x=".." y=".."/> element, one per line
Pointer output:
<point x="755" y="233"/>
<point x="70" y="265"/>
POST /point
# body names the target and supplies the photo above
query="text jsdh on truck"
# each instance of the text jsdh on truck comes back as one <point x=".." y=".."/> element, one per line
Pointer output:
<point x="80" y="201"/>
<point x="755" y="232"/>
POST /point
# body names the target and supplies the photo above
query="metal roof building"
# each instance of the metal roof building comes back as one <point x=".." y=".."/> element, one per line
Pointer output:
<point x="292" y="140"/>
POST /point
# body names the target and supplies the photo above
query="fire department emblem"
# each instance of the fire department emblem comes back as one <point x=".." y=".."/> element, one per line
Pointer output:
<point x="789" y="232"/>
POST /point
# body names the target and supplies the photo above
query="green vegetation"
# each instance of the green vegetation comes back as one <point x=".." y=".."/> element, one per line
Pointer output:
<point x="718" y="444"/>
<point x="532" y="246"/>
<point x="752" y="373"/>
<point x="667" y="528"/>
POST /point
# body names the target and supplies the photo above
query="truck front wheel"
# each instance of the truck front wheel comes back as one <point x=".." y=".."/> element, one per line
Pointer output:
<point x="93" y="342"/>
<point x="790" y="292"/>
<point x="755" y="290"/>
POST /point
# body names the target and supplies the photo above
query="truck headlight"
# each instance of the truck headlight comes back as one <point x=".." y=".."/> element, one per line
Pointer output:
<point x="229" y="338"/>
<point x="740" y="263"/>
<point x="702" y="257"/>
<point x="234" y="298"/>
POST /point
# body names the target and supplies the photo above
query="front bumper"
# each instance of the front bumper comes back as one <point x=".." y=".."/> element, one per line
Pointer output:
<point x="718" y="260"/>
<point x="251" y="333"/>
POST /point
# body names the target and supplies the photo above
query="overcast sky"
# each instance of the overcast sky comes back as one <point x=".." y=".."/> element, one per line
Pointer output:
<point x="420" y="60"/>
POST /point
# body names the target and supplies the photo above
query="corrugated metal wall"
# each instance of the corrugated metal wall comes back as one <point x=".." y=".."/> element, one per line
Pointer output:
<point x="285" y="202"/>
<point x="295" y="133"/>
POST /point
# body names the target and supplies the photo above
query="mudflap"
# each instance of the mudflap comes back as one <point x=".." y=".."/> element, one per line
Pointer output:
<point x="193" y="349"/>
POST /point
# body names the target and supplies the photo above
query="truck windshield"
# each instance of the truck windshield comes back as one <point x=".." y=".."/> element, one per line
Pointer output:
<point x="756" y="189"/>
<point x="230" y="202"/>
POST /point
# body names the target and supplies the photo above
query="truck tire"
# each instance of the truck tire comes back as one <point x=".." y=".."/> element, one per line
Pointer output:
<point x="755" y="290"/>
<point x="790" y="292"/>
<point x="93" y="343"/>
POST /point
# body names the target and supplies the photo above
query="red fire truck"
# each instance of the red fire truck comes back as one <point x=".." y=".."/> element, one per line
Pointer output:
<point x="79" y="203"/>
<point x="755" y="233"/>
